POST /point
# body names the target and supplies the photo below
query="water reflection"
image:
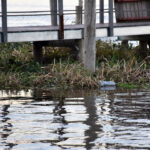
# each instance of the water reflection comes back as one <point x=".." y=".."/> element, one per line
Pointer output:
<point x="5" y="127"/>
<point x="75" y="120"/>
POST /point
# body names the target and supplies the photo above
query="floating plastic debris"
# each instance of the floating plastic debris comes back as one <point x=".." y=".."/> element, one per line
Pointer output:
<point x="107" y="83"/>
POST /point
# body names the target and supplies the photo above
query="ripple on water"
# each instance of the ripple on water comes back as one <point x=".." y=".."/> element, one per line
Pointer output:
<point x="110" y="120"/>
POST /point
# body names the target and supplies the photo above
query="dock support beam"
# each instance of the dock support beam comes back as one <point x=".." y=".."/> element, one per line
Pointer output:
<point x="89" y="55"/>
<point x="111" y="18"/>
<point x="37" y="52"/>
<point x="101" y="11"/>
<point x="143" y="49"/>
<point x="53" y="8"/>
<point x="61" y="19"/>
<point x="4" y="20"/>
<point x="124" y="44"/>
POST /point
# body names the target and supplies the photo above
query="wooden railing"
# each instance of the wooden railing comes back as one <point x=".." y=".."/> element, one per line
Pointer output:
<point x="54" y="12"/>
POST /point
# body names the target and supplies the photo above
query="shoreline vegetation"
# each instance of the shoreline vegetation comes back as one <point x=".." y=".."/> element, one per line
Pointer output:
<point x="127" y="66"/>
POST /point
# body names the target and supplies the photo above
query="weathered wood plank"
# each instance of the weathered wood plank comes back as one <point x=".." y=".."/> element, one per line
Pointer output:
<point x="73" y="34"/>
<point x="131" y="30"/>
<point x="71" y="27"/>
<point x="32" y="36"/>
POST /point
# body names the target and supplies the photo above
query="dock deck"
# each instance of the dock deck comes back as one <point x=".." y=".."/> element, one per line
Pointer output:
<point x="50" y="33"/>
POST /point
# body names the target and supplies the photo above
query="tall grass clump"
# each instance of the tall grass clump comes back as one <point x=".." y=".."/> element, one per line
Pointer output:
<point x="122" y="65"/>
<point x="15" y="57"/>
<point x="61" y="70"/>
<point x="66" y="75"/>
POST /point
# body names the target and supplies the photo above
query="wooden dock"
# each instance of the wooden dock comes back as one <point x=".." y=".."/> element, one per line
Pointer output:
<point x="76" y="31"/>
<point x="57" y="31"/>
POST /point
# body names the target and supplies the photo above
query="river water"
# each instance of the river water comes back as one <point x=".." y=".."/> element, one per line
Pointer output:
<point x="75" y="120"/>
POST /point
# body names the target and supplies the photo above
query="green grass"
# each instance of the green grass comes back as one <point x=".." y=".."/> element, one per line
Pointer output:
<point x="129" y="86"/>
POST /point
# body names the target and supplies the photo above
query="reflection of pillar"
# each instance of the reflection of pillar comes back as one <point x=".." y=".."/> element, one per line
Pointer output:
<point x="37" y="94"/>
<point x="58" y="111"/>
<point x="91" y="121"/>
<point x="6" y="128"/>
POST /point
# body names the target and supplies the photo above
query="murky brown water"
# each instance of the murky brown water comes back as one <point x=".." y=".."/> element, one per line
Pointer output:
<point x="79" y="120"/>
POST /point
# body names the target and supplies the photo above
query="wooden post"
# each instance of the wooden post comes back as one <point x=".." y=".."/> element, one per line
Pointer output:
<point x="53" y="7"/>
<point x="80" y="44"/>
<point x="89" y="55"/>
<point x="101" y="11"/>
<point x="143" y="50"/>
<point x="4" y="20"/>
<point x="124" y="44"/>
<point x="37" y="51"/>
<point x="111" y="18"/>
<point x="79" y="12"/>
<point x="61" y="19"/>
<point x="80" y="2"/>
